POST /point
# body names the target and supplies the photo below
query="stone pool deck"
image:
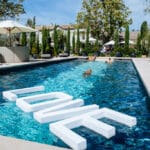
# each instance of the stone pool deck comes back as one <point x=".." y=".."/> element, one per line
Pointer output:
<point x="143" y="68"/>
<point x="7" y="143"/>
<point x="34" y="62"/>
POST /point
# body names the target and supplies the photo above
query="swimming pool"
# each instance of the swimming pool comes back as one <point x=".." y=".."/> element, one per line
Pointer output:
<point x="115" y="86"/>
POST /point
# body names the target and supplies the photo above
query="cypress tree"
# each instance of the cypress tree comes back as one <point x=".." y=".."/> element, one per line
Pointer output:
<point x="127" y="36"/>
<point x="78" y="42"/>
<point x="144" y="33"/>
<point x="37" y="44"/>
<point x="43" y="40"/>
<point x="32" y="23"/>
<point x="138" y="44"/>
<point x="148" y="47"/>
<point x="144" y="30"/>
<point x="32" y="41"/>
<point x="68" y="41"/>
<point x="116" y="37"/>
<point x="97" y="44"/>
<point x="73" y="43"/>
<point x="55" y="41"/>
<point x="61" y="41"/>
<point x="24" y="39"/>
<point x="87" y="44"/>
<point x="48" y="41"/>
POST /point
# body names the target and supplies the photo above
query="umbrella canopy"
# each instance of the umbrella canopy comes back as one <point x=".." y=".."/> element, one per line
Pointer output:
<point x="8" y="27"/>
<point x="112" y="42"/>
<point x="91" y="40"/>
<point x="130" y="42"/>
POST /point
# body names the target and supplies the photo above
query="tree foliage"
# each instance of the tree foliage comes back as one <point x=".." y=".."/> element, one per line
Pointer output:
<point x="87" y="43"/>
<point x="143" y="41"/>
<point x="23" y="39"/>
<point x="61" y="40"/>
<point x="46" y="40"/>
<point x="73" y="43"/>
<point x="143" y="37"/>
<point x="138" y="44"/>
<point x="127" y="37"/>
<point x="68" y="41"/>
<point x="78" y="42"/>
<point x="55" y="37"/>
<point x="31" y="23"/>
<point x="116" y="39"/>
<point x="103" y="17"/>
<point x="11" y="8"/>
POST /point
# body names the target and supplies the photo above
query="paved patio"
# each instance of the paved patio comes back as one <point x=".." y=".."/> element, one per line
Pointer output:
<point x="7" y="143"/>
<point x="143" y="67"/>
<point x="33" y="62"/>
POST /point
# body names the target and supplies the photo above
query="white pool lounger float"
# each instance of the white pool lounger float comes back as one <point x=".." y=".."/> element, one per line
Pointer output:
<point x="62" y="129"/>
<point x="12" y="94"/>
<point x="42" y="101"/>
<point x="67" y="105"/>
<point x="63" y="114"/>
<point x="56" y="106"/>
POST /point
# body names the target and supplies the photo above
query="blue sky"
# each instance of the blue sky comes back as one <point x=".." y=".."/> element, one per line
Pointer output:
<point x="65" y="11"/>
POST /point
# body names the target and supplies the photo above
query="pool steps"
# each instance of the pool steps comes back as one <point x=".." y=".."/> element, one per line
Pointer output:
<point x="69" y="114"/>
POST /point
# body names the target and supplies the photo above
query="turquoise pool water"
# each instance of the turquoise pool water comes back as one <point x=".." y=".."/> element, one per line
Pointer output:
<point x="115" y="86"/>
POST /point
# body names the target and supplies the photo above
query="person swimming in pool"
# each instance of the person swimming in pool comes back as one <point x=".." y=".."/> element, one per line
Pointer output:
<point x="87" y="73"/>
<point x="91" y="58"/>
<point x="109" y="61"/>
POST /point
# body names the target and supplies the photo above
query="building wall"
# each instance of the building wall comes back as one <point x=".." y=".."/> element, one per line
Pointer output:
<point x="82" y="33"/>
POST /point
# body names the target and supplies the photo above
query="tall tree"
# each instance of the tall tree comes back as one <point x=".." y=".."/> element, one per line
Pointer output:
<point x="37" y="44"/>
<point x="138" y="44"/>
<point x="24" y="39"/>
<point x="68" y="41"/>
<point x="73" y="43"/>
<point x="116" y="38"/>
<point x="103" y="17"/>
<point x="55" y="41"/>
<point x="61" y="40"/>
<point x="144" y="35"/>
<point x="87" y="43"/>
<point x="11" y="8"/>
<point x="127" y="36"/>
<point x="148" y="45"/>
<point x="31" y="23"/>
<point x="78" y="42"/>
<point x="44" y="40"/>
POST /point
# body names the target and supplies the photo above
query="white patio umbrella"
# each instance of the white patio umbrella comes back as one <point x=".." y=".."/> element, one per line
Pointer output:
<point x="130" y="42"/>
<point x="112" y="42"/>
<point x="92" y="40"/>
<point x="9" y="27"/>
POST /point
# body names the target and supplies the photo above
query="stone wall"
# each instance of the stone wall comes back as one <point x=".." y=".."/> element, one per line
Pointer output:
<point x="14" y="54"/>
